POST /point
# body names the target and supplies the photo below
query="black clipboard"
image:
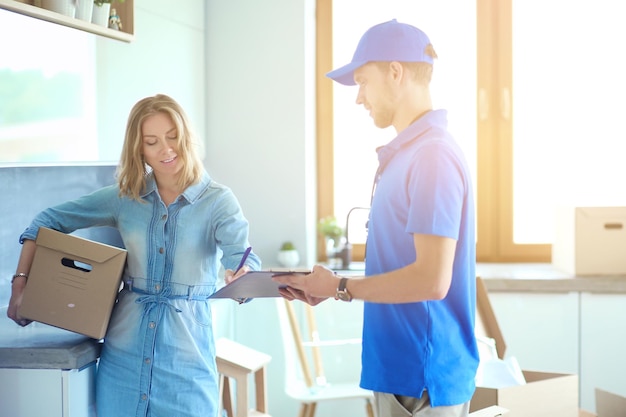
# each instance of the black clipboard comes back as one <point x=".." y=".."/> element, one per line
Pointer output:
<point x="254" y="284"/>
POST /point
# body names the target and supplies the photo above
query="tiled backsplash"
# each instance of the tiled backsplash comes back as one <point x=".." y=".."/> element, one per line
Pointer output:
<point x="27" y="190"/>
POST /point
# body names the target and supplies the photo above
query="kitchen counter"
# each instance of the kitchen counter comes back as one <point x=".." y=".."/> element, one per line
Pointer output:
<point x="39" y="346"/>
<point x="545" y="278"/>
<point x="532" y="277"/>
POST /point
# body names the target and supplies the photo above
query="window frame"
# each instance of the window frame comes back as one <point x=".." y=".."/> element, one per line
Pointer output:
<point x="494" y="182"/>
<point x="494" y="214"/>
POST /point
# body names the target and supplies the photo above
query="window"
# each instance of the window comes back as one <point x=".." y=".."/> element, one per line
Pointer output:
<point x="549" y="126"/>
<point x="350" y="154"/>
<point x="534" y="92"/>
<point x="47" y="93"/>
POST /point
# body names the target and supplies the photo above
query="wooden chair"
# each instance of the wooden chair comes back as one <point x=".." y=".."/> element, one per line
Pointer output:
<point x="303" y="382"/>
<point x="486" y="324"/>
<point x="239" y="363"/>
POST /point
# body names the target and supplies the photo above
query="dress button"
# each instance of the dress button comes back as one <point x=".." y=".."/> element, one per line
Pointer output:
<point x="152" y="325"/>
<point x="157" y="287"/>
<point x="164" y="217"/>
<point x="161" y="250"/>
<point x="144" y="397"/>
<point x="147" y="360"/>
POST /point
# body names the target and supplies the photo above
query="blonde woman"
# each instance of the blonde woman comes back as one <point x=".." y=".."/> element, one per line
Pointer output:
<point x="178" y="225"/>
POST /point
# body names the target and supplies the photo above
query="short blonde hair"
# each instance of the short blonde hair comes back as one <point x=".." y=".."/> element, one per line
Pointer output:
<point x="422" y="71"/>
<point x="132" y="169"/>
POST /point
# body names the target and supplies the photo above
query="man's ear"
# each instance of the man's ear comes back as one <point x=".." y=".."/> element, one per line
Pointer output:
<point x="396" y="70"/>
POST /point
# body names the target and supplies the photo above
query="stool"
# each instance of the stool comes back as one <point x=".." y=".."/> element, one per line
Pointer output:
<point x="237" y="361"/>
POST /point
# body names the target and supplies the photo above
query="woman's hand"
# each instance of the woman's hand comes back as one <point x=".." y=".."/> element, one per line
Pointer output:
<point x="230" y="275"/>
<point x="19" y="283"/>
<point x="17" y="292"/>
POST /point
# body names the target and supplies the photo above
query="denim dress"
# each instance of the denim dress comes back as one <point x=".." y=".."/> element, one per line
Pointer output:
<point x="158" y="356"/>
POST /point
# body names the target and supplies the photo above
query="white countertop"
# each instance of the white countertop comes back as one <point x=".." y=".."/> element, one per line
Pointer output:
<point x="39" y="346"/>
<point x="545" y="278"/>
<point x="532" y="277"/>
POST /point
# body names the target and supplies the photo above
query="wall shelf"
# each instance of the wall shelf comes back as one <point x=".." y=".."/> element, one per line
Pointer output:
<point x="125" y="11"/>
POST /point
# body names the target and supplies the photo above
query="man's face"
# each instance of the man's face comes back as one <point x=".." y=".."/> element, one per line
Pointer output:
<point x="376" y="93"/>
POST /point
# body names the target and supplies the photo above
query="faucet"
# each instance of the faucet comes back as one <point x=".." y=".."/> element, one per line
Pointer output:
<point x="346" y="252"/>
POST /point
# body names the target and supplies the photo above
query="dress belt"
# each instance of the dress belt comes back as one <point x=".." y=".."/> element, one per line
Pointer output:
<point x="151" y="300"/>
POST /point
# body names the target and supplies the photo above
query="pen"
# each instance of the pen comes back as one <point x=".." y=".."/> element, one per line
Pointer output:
<point x="243" y="259"/>
<point x="241" y="264"/>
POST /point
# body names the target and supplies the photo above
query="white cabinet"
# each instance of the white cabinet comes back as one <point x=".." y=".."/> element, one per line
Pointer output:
<point x="540" y="330"/>
<point x="46" y="371"/>
<point x="48" y="392"/>
<point x="575" y="332"/>
<point x="603" y="345"/>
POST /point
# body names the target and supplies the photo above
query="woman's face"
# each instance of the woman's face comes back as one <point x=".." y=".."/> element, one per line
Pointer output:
<point x="160" y="144"/>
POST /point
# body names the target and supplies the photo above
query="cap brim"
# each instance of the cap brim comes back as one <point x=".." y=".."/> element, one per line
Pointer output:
<point x="345" y="75"/>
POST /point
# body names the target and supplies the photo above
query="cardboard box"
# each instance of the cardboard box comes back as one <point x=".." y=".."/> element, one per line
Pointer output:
<point x="493" y="411"/>
<point x="73" y="283"/>
<point x="590" y="240"/>
<point x="609" y="404"/>
<point x="544" y="394"/>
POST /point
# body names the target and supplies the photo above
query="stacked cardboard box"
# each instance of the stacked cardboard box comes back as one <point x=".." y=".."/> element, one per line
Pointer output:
<point x="544" y="394"/>
<point x="608" y="404"/>
<point x="492" y="411"/>
<point x="590" y="241"/>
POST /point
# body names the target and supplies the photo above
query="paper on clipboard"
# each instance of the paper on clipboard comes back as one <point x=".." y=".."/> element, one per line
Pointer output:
<point x="254" y="284"/>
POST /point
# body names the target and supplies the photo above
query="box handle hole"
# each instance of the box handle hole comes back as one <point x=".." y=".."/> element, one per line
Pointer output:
<point x="81" y="266"/>
<point x="613" y="226"/>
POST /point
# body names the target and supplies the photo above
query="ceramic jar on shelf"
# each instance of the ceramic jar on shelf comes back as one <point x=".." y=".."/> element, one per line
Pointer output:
<point x="84" y="10"/>
<point x="100" y="14"/>
<point x="65" y="7"/>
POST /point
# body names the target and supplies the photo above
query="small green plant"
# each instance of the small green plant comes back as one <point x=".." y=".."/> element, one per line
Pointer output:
<point x="101" y="2"/>
<point x="288" y="246"/>
<point x="329" y="227"/>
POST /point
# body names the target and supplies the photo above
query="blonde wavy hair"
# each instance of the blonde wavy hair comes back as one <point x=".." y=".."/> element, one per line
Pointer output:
<point x="132" y="169"/>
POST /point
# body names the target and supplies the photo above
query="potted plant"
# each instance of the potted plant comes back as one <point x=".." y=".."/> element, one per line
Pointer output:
<point x="329" y="228"/>
<point x="333" y="236"/>
<point x="288" y="255"/>
<point x="101" y="11"/>
<point x="101" y="2"/>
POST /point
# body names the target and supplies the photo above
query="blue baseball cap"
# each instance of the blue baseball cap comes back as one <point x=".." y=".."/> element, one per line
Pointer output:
<point x="386" y="42"/>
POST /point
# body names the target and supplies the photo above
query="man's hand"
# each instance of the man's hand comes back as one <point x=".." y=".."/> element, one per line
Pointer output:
<point x="293" y="294"/>
<point x="311" y="288"/>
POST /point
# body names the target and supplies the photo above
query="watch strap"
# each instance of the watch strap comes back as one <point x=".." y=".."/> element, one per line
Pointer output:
<point x="342" y="292"/>
<point x="342" y="284"/>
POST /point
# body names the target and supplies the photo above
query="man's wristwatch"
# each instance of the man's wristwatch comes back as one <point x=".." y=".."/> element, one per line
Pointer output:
<point x="342" y="292"/>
